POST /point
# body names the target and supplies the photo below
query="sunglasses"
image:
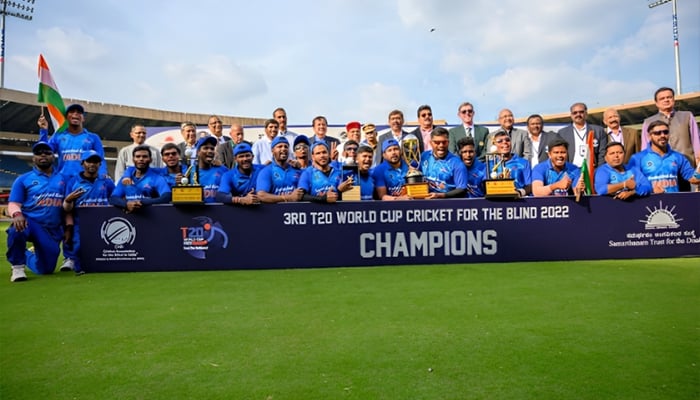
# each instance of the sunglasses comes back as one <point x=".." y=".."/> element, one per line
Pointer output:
<point x="661" y="132"/>
<point x="43" y="153"/>
<point x="467" y="111"/>
<point x="440" y="142"/>
<point x="502" y="140"/>
<point x="577" y="112"/>
<point x="301" y="146"/>
<point x="351" y="148"/>
<point x="170" y="154"/>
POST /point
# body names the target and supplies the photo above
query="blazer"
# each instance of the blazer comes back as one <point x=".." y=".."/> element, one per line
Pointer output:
<point x="599" y="142"/>
<point x="546" y="138"/>
<point x="519" y="142"/>
<point x="224" y="153"/>
<point x="632" y="139"/>
<point x="479" y="134"/>
<point x="379" y="156"/>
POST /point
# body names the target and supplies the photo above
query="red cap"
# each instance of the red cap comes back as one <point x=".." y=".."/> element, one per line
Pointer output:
<point x="352" y="125"/>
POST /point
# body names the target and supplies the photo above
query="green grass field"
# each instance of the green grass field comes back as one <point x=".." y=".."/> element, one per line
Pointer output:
<point x="558" y="330"/>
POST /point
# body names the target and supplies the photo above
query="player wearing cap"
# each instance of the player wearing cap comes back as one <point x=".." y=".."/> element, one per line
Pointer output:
<point x="370" y="140"/>
<point x="208" y="175"/>
<point x="445" y="173"/>
<point x="70" y="143"/>
<point x="390" y="175"/>
<point x="277" y="182"/>
<point x="352" y="131"/>
<point x="87" y="189"/>
<point x="516" y="167"/>
<point x="238" y="184"/>
<point x="143" y="187"/>
<point x="36" y="207"/>
<point x="301" y="152"/>
<point x="321" y="182"/>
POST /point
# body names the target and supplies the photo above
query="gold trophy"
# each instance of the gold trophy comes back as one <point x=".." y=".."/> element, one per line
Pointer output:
<point x="416" y="186"/>
<point x="188" y="190"/>
<point x="499" y="183"/>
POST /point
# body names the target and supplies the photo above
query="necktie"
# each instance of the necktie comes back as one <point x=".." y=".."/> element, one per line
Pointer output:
<point x="469" y="132"/>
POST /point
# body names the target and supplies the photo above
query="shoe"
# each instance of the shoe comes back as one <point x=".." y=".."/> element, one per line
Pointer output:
<point x="18" y="274"/>
<point x="68" y="265"/>
<point x="78" y="273"/>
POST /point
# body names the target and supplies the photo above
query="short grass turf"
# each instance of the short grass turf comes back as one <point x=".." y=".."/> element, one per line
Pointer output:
<point x="558" y="330"/>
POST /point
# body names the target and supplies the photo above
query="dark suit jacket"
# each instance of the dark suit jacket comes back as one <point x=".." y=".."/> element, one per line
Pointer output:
<point x="545" y="139"/>
<point x="599" y="142"/>
<point x="379" y="156"/>
<point x="480" y="133"/>
<point x="224" y="153"/>
<point x="417" y="133"/>
<point x="632" y="139"/>
<point x="183" y="156"/>
<point x="520" y="143"/>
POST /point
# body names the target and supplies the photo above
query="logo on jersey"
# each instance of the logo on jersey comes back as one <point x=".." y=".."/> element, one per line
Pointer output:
<point x="661" y="218"/>
<point x="118" y="231"/>
<point x="203" y="235"/>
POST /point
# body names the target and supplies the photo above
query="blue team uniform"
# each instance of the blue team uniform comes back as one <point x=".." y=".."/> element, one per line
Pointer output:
<point x="393" y="179"/>
<point x="366" y="186"/>
<point x="70" y="149"/>
<point x="606" y="175"/>
<point x="662" y="170"/>
<point x="162" y="171"/>
<point x="520" y="171"/>
<point x="96" y="194"/>
<point x="41" y="197"/>
<point x="145" y="188"/>
<point x="475" y="179"/>
<point x="237" y="184"/>
<point x="547" y="174"/>
<point x="443" y="175"/>
<point x="277" y="180"/>
<point x="317" y="183"/>
<point x="210" y="179"/>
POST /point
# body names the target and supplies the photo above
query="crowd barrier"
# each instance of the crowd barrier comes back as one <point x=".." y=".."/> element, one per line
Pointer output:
<point x="299" y="235"/>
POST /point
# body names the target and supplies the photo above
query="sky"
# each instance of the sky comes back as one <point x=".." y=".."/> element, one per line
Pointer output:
<point x="355" y="59"/>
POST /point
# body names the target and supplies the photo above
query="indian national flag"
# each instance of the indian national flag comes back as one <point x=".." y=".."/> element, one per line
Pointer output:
<point x="587" y="169"/>
<point x="48" y="94"/>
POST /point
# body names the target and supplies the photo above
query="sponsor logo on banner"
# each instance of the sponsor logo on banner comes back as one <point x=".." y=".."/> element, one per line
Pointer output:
<point x="118" y="234"/>
<point x="661" y="228"/>
<point x="204" y="235"/>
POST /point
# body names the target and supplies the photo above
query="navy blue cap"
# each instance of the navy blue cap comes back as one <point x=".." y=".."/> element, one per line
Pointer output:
<point x="301" y="139"/>
<point x="279" y="139"/>
<point x="90" y="154"/>
<point x="388" y="143"/>
<point x="242" y="147"/>
<point x="319" y="143"/>
<point x="207" y="139"/>
<point x="77" y="107"/>
<point x="41" y="145"/>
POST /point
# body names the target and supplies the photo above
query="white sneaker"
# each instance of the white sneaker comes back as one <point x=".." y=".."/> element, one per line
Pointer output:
<point x="18" y="274"/>
<point x="68" y="265"/>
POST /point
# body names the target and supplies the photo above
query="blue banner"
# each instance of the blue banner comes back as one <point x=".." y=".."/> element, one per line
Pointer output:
<point x="297" y="235"/>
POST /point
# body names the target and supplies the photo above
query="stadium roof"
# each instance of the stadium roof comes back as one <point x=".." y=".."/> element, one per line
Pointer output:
<point x="19" y="112"/>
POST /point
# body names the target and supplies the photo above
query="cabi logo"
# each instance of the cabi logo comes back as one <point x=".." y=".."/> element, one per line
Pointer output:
<point x="661" y="218"/>
<point x="196" y="240"/>
<point x="118" y="232"/>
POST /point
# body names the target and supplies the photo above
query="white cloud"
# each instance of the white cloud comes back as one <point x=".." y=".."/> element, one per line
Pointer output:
<point x="70" y="45"/>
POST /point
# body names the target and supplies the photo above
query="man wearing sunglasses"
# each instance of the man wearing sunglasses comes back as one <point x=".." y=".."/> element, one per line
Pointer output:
<point x="519" y="141"/>
<point x="445" y="173"/>
<point x="511" y="165"/>
<point x="466" y="113"/>
<point x="660" y="163"/>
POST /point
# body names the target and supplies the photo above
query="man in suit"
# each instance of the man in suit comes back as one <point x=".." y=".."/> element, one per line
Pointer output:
<point x="320" y="128"/>
<point x="539" y="140"/>
<point x="224" y="152"/>
<point x="629" y="138"/>
<point x="577" y="133"/>
<point x="425" y="127"/>
<point x="396" y="132"/>
<point x="520" y="144"/>
<point x="188" y="130"/>
<point x="466" y="112"/>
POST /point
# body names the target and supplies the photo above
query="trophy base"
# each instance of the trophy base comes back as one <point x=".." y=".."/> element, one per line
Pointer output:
<point x="187" y="195"/>
<point x="417" y="190"/>
<point x="501" y="189"/>
<point x="352" y="194"/>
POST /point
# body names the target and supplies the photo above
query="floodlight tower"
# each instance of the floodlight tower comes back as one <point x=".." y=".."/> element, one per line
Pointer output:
<point x="22" y="9"/>
<point x="676" y="45"/>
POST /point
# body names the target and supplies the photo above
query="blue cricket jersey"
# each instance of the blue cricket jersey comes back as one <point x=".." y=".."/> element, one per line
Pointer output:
<point x="149" y="186"/>
<point x="162" y="171"/>
<point x="317" y="183"/>
<point x="97" y="192"/>
<point x="70" y="148"/>
<point x="475" y="179"/>
<point x="41" y="196"/>
<point x="545" y="173"/>
<point x="237" y="184"/>
<point x="393" y="179"/>
<point x="277" y="180"/>
<point x="606" y="175"/>
<point x="210" y="179"/>
<point x="366" y="186"/>
<point x="443" y="175"/>
<point x="662" y="170"/>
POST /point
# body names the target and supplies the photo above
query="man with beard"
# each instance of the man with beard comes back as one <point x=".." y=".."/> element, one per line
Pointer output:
<point x="88" y="189"/>
<point x="444" y="172"/>
<point x="35" y="205"/>
<point x="628" y="137"/>
<point x="364" y="157"/>
<point x="321" y="182"/>
<point x="519" y="143"/>
<point x="511" y="165"/>
<point x="238" y="184"/>
<point x="173" y="171"/>
<point x="370" y="140"/>
<point x="555" y="176"/>
<point x="613" y="179"/>
<point x="476" y="170"/>
<point x="660" y="164"/>
<point x="390" y="175"/>
<point x="143" y="187"/>
<point x="207" y="174"/>
<point x="352" y="130"/>
<point x="277" y="182"/>
<point x="69" y="144"/>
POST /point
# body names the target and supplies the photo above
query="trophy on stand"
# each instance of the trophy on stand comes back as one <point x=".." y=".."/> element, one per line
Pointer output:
<point x="499" y="183"/>
<point x="416" y="186"/>
<point x="351" y="170"/>
<point x="188" y="190"/>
